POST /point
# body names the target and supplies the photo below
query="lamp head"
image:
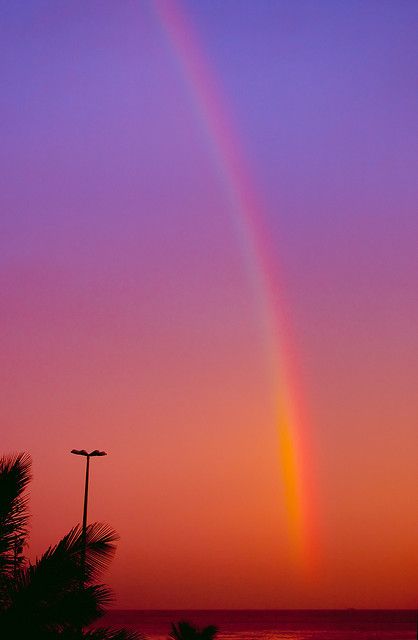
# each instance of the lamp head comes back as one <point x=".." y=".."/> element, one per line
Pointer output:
<point x="79" y="452"/>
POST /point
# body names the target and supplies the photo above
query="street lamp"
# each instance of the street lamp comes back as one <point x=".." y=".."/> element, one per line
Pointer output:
<point x="83" y="452"/>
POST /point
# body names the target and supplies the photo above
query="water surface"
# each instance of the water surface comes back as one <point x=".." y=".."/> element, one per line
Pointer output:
<point x="346" y="624"/>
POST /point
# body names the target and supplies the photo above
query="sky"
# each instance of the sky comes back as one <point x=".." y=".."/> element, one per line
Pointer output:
<point x="136" y="294"/>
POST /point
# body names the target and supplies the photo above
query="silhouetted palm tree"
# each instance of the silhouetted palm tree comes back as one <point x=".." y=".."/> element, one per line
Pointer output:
<point x="56" y="596"/>
<point x="15" y="476"/>
<point x="184" y="630"/>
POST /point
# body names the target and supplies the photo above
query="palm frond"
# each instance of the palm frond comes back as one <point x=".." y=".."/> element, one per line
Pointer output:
<point x="209" y="632"/>
<point x="107" y="633"/>
<point x="31" y="614"/>
<point x="15" y="475"/>
<point x="57" y="589"/>
<point x="75" y="558"/>
<point x="184" y="630"/>
<point x="175" y="632"/>
<point x="100" y="548"/>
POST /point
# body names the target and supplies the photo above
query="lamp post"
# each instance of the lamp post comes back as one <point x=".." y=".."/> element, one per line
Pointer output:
<point x="83" y="452"/>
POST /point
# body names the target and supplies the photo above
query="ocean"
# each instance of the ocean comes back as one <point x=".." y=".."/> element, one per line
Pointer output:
<point x="349" y="624"/>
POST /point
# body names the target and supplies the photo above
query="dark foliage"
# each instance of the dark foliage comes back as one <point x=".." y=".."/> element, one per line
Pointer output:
<point x="57" y="596"/>
<point x="15" y="475"/>
<point x="184" y="630"/>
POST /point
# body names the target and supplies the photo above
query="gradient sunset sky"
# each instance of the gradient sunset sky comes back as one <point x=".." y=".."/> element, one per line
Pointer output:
<point x="179" y="181"/>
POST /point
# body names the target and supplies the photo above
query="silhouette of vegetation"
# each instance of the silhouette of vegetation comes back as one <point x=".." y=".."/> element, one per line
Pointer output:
<point x="58" y="595"/>
<point x="15" y="476"/>
<point x="184" y="630"/>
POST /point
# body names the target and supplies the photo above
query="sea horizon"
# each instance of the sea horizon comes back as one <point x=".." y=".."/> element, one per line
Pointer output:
<point x="273" y="624"/>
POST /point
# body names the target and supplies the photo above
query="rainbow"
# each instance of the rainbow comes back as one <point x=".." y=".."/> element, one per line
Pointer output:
<point x="248" y="214"/>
